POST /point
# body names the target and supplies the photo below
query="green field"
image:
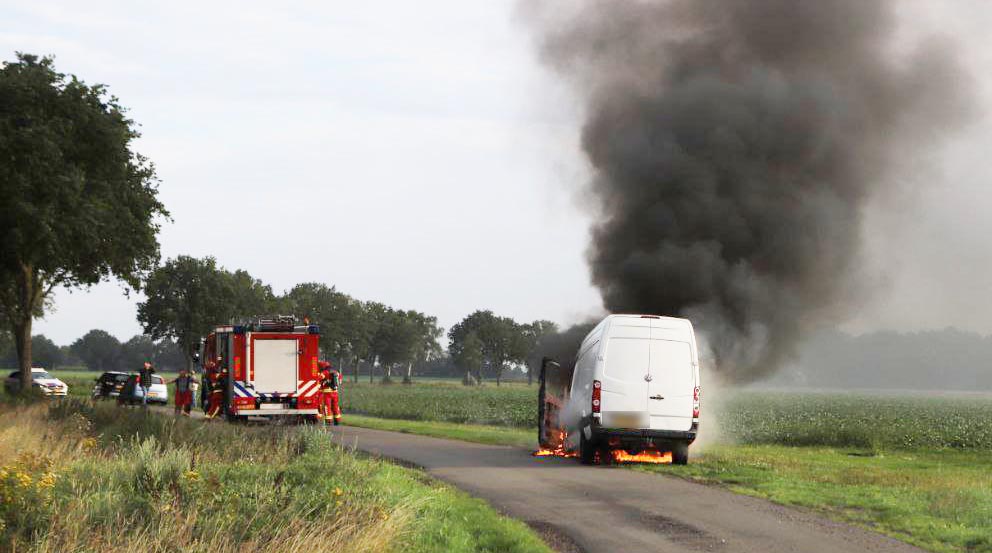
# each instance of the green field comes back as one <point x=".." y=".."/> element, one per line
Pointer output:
<point x="81" y="477"/>
<point x="856" y="420"/>
<point x="915" y="467"/>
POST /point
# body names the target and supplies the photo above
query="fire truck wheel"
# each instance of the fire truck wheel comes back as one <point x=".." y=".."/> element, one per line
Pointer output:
<point x="587" y="449"/>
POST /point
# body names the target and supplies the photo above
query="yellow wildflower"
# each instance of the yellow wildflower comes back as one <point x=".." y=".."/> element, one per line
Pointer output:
<point x="47" y="481"/>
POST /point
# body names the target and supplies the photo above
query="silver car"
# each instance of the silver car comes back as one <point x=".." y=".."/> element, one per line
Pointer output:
<point x="132" y="392"/>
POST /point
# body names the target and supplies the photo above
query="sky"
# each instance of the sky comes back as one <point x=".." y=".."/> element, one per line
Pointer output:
<point x="419" y="155"/>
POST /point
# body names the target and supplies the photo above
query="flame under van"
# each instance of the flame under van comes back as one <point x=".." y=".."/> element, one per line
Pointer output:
<point x="634" y="387"/>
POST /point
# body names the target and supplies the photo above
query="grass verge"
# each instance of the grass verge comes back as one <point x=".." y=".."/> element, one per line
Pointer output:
<point x="492" y="435"/>
<point x="81" y="477"/>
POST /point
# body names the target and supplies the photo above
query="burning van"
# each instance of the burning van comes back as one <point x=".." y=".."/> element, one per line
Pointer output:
<point x="631" y="393"/>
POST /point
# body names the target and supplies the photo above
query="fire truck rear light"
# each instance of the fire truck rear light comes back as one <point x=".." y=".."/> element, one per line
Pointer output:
<point x="695" y="412"/>
<point x="597" y="391"/>
<point x="695" y="394"/>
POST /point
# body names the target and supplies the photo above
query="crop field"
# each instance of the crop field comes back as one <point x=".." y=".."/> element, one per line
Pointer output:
<point x="75" y="476"/>
<point x="857" y="420"/>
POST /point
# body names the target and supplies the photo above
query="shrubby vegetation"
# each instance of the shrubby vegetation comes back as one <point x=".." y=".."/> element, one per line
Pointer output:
<point x="80" y="477"/>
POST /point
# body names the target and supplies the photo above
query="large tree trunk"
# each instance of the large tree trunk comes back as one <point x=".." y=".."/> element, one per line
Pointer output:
<point x="499" y="373"/>
<point x="188" y="356"/>
<point x="22" y="315"/>
<point x="372" y="369"/>
<point x="22" y="339"/>
<point x="409" y="373"/>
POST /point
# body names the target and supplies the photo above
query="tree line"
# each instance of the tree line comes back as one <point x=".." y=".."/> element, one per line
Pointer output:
<point x="187" y="296"/>
<point x="97" y="350"/>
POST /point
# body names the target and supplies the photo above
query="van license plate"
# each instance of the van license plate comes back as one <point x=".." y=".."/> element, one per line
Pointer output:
<point x="625" y="421"/>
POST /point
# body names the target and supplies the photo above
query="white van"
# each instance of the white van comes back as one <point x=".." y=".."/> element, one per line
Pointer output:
<point x="635" y="386"/>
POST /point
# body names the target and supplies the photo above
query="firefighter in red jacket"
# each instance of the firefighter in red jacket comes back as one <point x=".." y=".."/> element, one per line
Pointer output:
<point x="330" y="381"/>
<point x="215" y="379"/>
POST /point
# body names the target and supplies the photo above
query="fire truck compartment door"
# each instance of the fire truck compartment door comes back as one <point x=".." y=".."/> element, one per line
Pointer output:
<point x="275" y="365"/>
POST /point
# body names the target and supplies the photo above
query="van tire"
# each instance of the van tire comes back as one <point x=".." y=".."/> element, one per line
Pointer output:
<point x="587" y="449"/>
<point x="680" y="453"/>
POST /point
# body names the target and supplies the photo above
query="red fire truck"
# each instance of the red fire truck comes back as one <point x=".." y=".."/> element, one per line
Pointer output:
<point x="271" y="367"/>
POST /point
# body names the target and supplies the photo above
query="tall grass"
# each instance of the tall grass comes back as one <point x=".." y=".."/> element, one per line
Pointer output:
<point x="81" y="477"/>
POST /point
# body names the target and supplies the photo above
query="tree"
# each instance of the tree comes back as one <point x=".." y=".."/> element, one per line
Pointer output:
<point x="169" y="355"/>
<point x="502" y="339"/>
<point x="408" y="337"/>
<point x="534" y="333"/>
<point x="99" y="350"/>
<point x="184" y="298"/>
<point x="335" y="312"/>
<point x="249" y="297"/>
<point x="374" y="338"/>
<point x="470" y="356"/>
<point x="79" y="206"/>
<point x="44" y="352"/>
<point x="135" y="352"/>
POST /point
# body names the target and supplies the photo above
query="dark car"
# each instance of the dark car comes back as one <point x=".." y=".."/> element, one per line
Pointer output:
<point x="109" y="385"/>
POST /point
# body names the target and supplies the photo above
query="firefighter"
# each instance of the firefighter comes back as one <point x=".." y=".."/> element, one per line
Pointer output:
<point x="215" y="401"/>
<point x="330" y="381"/>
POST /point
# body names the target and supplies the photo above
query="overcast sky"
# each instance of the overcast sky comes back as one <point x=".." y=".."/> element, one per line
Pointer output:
<point x="417" y="154"/>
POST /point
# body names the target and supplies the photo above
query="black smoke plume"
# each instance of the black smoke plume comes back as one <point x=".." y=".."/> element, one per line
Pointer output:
<point x="734" y="144"/>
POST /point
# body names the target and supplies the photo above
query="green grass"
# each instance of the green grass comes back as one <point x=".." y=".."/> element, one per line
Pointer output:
<point x="81" y="477"/>
<point x="915" y="467"/>
<point x="446" y="401"/>
<point x="941" y="501"/>
<point x="492" y="435"/>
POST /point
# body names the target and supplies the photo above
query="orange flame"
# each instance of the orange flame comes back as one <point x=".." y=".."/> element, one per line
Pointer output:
<point x="647" y="456"/>
<point x="557" y="438"/>
<point x="558" y="450"/>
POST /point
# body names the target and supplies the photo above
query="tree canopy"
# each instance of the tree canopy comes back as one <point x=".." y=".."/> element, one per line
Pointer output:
<point x="186" y="295"/>
<point x="99" y="350"/>
<point x="502" y="339"/>
<point x="79" y="205"/>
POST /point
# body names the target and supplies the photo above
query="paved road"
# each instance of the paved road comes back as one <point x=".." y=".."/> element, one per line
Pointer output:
<point x="611" y="509"/>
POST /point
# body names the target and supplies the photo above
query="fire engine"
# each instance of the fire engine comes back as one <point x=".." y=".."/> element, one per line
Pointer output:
<point x="270" y="365"/>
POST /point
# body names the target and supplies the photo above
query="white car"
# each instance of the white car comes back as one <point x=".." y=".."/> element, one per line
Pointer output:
<point x="41" y="380"/>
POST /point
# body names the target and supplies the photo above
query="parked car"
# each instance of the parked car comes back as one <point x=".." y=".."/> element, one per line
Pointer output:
<point x="131" y="393"/>
<point x="41" y="380"/>
<point x="109" y="385"/>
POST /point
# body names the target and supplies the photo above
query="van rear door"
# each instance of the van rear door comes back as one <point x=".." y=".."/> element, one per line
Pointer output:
<point x="671" y="385"/>
<point x="626" y="365"/>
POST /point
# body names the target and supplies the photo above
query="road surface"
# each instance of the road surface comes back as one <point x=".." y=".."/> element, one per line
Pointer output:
<point x="609" y="509"/>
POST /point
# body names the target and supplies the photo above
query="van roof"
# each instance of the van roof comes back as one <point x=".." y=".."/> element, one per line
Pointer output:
<point x="654" y="321"/>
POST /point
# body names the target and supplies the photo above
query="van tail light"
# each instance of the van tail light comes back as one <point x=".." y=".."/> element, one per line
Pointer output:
<point x="597" y="395"/>
<point x="695" y="402"/>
